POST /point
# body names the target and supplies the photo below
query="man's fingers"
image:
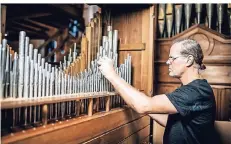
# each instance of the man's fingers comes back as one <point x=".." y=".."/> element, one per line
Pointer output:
<point x="100" y="61"/>
<point x="100" y="68"/>
<point x="107" y="58"/>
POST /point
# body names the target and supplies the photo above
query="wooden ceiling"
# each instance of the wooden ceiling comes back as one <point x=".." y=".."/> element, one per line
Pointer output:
<point x="37" y="20"/>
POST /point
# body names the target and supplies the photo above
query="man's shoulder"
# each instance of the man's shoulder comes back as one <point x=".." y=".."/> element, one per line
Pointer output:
<point x="194" y="91"/>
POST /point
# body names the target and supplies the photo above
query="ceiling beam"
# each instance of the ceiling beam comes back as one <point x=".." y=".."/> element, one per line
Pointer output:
<point x="34" y="25"/>
<point x="27" y="26"/>
<point x="44" y="35"/>
<point x="69" y="10"/>
<point x="40" y="24"/>
<point x="35" y="15"/>
<point x="51" y="22"/>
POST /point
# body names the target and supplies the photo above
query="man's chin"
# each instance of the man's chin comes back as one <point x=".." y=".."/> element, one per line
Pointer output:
<point x="173" y="75"/>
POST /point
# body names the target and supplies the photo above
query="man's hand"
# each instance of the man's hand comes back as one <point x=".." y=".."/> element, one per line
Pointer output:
<point x="106" y="67"/>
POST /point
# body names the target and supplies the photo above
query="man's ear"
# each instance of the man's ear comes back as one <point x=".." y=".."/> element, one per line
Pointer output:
<point x="190" y="61"/>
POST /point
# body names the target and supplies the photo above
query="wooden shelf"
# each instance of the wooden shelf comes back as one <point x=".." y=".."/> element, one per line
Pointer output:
<point x="15" y="103"/>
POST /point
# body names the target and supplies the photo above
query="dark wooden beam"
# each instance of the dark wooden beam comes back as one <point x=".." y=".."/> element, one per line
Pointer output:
<point x="39" y="24"/>
<point x="27" y="26"/>
<point x="41" y="34"/>
<point x="44" y="28"/>
<point x="69" y="10"/>
<point x="34" y="15"/>
<point x="14" y="36"/>
<point x="22" y="27"/>
<point x="54" y="21"/>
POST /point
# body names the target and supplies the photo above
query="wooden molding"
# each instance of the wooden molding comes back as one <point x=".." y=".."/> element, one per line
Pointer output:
<point x="132" y="47"/>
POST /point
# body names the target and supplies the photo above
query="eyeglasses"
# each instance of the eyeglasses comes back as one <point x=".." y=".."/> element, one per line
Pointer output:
<point x="171" y="59"/>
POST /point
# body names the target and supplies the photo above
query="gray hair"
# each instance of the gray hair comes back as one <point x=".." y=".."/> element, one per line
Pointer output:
<point x="192" y="47"/>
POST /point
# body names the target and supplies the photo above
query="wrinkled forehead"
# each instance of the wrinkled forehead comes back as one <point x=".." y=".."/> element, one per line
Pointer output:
<point x="175" y="49"/>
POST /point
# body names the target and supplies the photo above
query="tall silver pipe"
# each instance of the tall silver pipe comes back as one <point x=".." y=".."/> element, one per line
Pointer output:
<point x="52" y="81"/>
<point x="43" y="82"/>
<point x="188" y="10"/>
<point x="35" y="88"/>
<point x="22" y="36"/>
<point x="110" y="34"/>
<point x="209" y="8"/>
<point x="198" y="11"/>
<point x="178" y="17"/>
<point x="39" y="60"/>
<point x="56" y="81"/>
<point x="2" y="70"/>
<point x="31" y="51"/>
<point x="27" y="77"/>
<point x="31" y="79"/>
<point x="39" y="82"/>
<point x="35" y="57"/>
<point x="115" y="41"/>
<point x="130" y="69"/>
<point x="27" y="39"/>
<point x="7" y="72"/>
<point x="35" y="80"/>
<point x="169" y="19"/>
<point x="47" y="82"/>
<point x="161" y="19"/>
<point x="220" y="13"/>
<point x="43" y="63"/>
<point x="105" y="39"/>
<point x="15" y="76"/>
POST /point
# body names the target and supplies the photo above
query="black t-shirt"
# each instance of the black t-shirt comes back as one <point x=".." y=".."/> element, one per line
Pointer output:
<point x="194" y="122"/>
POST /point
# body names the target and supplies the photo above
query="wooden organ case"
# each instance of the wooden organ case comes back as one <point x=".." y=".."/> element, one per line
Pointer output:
<point x="84" y="116"/>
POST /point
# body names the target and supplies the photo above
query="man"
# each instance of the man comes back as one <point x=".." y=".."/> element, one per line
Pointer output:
<point x="188" y="113"/>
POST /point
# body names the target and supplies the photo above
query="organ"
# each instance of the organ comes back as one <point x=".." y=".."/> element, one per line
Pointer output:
<point x="73" y="103"/>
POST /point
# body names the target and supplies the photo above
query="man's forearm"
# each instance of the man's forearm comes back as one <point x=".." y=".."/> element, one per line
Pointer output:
<point x="137" y="100"/>
<point x="160" y="118"/>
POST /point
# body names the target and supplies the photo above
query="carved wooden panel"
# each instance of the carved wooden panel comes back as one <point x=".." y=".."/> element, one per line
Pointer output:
<point x="223" y="97"/>
<point x="214" y="46"/>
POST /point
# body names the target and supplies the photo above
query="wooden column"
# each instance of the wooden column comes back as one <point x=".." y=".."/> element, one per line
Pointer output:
<point x="89" y="47"/>
<point x="108" y="99"/>
<point x="90" y="107"/>
<point x="44" y="114"/>
<point x="77" y="107"/>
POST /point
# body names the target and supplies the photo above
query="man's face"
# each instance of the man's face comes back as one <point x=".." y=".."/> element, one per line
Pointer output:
<point x="176" y="62"/>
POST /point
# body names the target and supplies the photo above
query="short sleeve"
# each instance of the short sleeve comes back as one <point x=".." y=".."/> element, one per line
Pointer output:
<point x="187" y="100"/>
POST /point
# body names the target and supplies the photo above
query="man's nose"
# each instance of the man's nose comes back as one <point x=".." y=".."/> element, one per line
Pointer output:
<point x="168" y="62"/>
